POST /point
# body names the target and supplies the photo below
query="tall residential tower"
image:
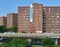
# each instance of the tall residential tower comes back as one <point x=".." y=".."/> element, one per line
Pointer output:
<point x="11" y="20"/>
<point x="3" y="21"/>
<point x="37" y="10"/>
<point x="24" y="19"/>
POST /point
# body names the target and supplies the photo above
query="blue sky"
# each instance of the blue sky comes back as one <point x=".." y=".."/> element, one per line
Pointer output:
<point x="11" y="6"/>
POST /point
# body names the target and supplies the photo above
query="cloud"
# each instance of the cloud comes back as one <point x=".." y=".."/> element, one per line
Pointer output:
<point x="31" y="20"/>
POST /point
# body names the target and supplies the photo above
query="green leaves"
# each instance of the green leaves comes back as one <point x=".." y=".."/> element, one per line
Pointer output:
<point x="19" y="41"/>
<point x="3" y="29"/>
<point x="13" y="29"/>
<point x="48" y="41"/>
<point x="16" y="42"/>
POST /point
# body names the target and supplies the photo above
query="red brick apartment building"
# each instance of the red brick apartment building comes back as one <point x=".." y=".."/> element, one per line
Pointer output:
<point x="32" y="29"/>
<point x="11" y="20"/>
<point x="44" y="19"/>
<point x="38" y="17"/>
<point x="3" y="21"/>
<point x="52" y="19"/>
<point x="24" y="19"/>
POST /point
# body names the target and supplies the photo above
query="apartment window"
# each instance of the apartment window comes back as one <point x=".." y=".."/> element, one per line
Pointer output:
<point x="57" y="16"/>
<point x="52" y="29"/>
<point x="57" y="13"/>
<point x="52" y="26"/>
<point x="27" y="13"/>
<point x="57" y="29"/>
<point x="52" y="21"/>
<point x="44" y="8"/>
<point x="44" y="12"/>
<point x="44" y="30"/>
<point x="26" y="21"/>
<point x="49" y="24"/>
<point x="26" y="25"/>
<point x="27" y="30"/>
<point x="38" y="29"/>
<point x="44" y="26"/>
<point x="57" y="26"/>
<point x="57" y="21"/>
<point x="52" y="16"/>
<point x="26" y="9"/>
<point x="44" y="18"/>
<point x="39" y="14"/>
<point x="27" y="18"/>
<point x="44" y="21"/>
<point x="49" y="19"/>
<point x="23" y="16"/>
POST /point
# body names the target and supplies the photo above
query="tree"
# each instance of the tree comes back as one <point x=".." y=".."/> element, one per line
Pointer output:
<point x="19" y="42"/>
<point x="48" y="41"/>
<point x="5" y="44"/>
<point x="14" y="29"/>
<point x="16" y="42"/>
<point x="3" y="29"/>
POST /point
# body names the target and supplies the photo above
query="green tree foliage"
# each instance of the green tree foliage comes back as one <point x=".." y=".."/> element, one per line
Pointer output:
<point x="48" y="41"/>
<point x="18" y="42"/>
<point x="4" y="44"/>
<point x="3" y="29"/>
<point x="14" y="29"/>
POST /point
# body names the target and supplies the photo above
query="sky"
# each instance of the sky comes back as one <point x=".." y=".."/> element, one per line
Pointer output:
<point x="11" y="6"/>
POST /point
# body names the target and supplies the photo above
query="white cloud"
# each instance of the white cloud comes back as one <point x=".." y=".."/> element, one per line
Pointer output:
<point x="31" y="20"/>
<point x="31" y="5"/>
